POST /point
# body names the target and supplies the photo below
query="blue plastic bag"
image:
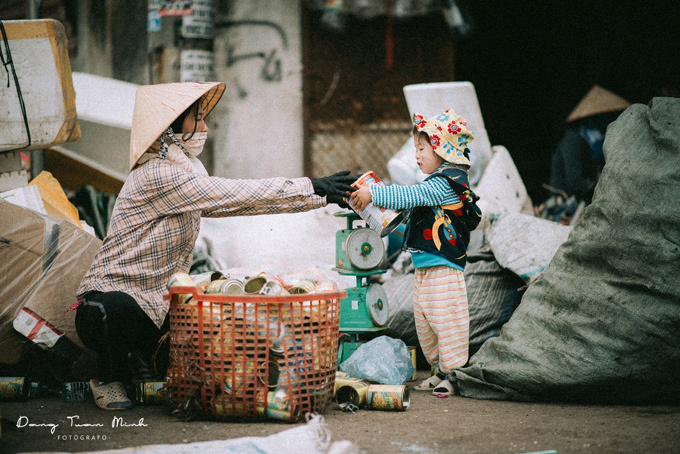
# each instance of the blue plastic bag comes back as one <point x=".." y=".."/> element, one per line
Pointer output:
<point x="383" y="360"/>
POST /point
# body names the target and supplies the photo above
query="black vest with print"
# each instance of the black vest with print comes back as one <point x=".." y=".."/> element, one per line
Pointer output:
<point x="445" y="230"/>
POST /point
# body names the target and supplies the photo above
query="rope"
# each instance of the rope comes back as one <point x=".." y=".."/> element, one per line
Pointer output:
<point x="8" y="61"/>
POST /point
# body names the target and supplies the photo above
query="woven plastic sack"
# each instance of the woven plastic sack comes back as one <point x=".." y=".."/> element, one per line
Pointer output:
<point x="524" y="244"/>
<point x="601" y="323"/>
<point x="493" y="295"/>
<point x="383" y="360"/>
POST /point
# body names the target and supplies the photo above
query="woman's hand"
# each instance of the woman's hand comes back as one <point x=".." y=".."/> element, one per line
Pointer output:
<point x="336" y="188"/>
<point x="361" y="198"/>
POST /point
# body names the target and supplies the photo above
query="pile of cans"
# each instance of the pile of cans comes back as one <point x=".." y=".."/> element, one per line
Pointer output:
<point x="353" y="393"/>
<point x="261" y="284"/>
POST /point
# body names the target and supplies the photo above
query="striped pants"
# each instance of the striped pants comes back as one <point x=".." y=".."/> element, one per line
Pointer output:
<point x="440" y="309"/>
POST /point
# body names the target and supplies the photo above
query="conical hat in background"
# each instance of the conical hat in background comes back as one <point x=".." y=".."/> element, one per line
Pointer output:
<point x="157" y="106"/>
<point x="597" y="101"/>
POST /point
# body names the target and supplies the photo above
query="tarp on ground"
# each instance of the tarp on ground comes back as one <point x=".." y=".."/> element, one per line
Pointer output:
<point x="601" y="323"/>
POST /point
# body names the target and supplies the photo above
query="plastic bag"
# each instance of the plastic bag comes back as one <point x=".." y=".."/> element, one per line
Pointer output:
<point x="524" y="244"/>
<point x="384" y="360"/>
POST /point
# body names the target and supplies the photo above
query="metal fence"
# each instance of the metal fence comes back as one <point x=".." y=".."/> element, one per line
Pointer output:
<point x="360" y="148"/>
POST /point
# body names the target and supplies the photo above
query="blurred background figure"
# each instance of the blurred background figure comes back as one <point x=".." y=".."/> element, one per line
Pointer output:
<point x="578" y="158"/>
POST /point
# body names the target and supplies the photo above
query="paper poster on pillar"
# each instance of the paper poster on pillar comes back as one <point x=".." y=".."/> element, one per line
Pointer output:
<point x="153" y="20"/>
<point x="200" y="25"/>
<point x="197" y="65"/>
<point x="175" y="8"/>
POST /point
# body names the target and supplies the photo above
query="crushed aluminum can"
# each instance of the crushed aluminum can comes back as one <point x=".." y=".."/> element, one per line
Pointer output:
<point x="273" y="288"/>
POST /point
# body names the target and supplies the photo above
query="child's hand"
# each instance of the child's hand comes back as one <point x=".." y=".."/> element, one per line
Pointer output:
<point x="361" y="198"/>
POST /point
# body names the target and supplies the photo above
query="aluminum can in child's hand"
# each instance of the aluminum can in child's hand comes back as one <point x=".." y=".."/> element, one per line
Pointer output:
<point x="388" y="397"/>
<point x="382" y="220"/>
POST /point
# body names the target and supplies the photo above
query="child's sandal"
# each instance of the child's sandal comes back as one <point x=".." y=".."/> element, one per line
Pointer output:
<point x="445" y="388"/>
<point x="429" y="384"/>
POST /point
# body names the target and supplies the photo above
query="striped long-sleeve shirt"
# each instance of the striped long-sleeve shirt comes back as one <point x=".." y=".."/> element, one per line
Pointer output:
<point x="156" y="221"/>
<point x="431" y="192"/>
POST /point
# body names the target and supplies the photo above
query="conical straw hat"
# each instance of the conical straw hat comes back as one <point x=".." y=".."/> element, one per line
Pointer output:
<point x="597" y="101"/>
<point x="157" y="106"/>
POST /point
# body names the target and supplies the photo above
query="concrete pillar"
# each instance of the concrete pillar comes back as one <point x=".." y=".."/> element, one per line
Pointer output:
<point x="257" y="127"/>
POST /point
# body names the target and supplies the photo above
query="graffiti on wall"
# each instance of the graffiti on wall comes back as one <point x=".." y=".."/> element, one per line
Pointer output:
<point x="271" y="69"/>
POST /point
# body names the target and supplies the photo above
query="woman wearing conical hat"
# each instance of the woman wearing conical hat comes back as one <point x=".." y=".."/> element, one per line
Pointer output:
<point x="154" y="226"/>
<point x="579" y="158"/>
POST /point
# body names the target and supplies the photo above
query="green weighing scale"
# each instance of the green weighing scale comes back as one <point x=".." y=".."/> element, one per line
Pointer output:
<point x="358" y="252"/>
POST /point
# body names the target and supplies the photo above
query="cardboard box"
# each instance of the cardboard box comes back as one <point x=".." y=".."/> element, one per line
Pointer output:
<point x="42" y="261"/>
<point x="40" y="76"/>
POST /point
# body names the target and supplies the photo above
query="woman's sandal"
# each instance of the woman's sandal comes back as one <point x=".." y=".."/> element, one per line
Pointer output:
<point x="111" y="396"/>
<point x="444" y="389"/>
<point x="429" y="384"/>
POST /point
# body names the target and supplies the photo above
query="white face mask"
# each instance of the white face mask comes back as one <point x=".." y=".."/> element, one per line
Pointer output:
<point x="194" y="146"/>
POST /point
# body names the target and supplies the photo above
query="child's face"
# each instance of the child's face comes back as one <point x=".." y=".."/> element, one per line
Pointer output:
<point x="427" y="159"/>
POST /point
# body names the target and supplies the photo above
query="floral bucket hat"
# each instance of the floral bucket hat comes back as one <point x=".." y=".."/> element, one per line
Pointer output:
<point x="449" y="135"/>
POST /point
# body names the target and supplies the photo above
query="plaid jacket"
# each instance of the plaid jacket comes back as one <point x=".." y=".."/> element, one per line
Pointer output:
<point x="156" y="221"/>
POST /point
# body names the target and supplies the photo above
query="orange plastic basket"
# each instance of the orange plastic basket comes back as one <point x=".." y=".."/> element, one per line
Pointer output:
<point x="245" y="357"/>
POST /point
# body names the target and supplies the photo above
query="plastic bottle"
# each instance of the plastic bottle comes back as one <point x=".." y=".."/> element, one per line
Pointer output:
<point x="76" y="391"/>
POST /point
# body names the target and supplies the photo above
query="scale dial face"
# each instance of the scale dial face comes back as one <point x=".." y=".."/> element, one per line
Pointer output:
<point x="364" y="248"/>
<point x="376" y="302"/>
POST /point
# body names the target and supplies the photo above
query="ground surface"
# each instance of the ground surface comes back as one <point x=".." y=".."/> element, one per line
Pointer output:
<point x="430" y="425"/>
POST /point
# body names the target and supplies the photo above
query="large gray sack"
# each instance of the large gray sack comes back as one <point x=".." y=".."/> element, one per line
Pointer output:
<point x="602" y="324"/>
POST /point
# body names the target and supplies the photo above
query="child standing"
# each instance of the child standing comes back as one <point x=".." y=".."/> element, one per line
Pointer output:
<point x="443" y="212"/>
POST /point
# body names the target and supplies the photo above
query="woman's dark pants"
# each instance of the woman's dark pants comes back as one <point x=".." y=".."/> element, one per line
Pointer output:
<point x="125" y="339"/>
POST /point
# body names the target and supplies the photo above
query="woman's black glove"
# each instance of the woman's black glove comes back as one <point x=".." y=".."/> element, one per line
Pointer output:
<point x="336" y="188"/>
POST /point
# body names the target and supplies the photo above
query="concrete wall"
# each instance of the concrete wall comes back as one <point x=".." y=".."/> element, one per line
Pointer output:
<point x="94" y="39"/>
<point x="257" y="127"/>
